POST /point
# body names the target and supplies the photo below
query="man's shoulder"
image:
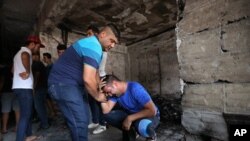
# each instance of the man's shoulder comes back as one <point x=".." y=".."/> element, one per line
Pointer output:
<point x="89" y="43"/>
<point x="134" y="84"/>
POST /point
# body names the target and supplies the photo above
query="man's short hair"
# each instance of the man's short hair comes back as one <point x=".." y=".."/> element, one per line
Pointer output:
<point x="94" y="29"/>
<point x="61" y="47"/>
<point x="48" y="55"/>
<point x="110" y="78"/>
<point x="115" y="30"/>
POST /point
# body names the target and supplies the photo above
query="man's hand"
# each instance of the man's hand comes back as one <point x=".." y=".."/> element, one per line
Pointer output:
<point x="127" y="123"/>
<point x="102" y="83"/>
<point x="24" y="75"/>
<point x="101" y="97"/>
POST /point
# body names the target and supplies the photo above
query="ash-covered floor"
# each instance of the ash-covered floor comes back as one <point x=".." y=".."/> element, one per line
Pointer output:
<point x="58" y="132"/>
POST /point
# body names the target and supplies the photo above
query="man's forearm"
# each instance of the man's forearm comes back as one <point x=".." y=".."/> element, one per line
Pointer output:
<point x="92" y="89"/>
<point x="145" y="113"/>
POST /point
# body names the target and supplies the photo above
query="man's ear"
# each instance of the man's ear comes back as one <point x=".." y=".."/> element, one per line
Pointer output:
<point x="103" y="34"/>
<point x="115" y="83"/>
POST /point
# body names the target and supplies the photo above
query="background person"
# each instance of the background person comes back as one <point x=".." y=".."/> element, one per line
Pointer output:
<point x="23" y="86"/>
<point x="95" y="108"/>
<point x="8" y="99"/>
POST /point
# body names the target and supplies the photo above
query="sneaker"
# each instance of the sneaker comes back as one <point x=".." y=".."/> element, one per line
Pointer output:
<point x="154" y="138"/>
<point x="137" y="135"/>
<point x="99" y="129"/>
<point x="93" y="125"/>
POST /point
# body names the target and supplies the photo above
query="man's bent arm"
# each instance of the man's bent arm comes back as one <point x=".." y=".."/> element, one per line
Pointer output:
<point x="89" y="78"/>
<point x="148" y="111"/>
<point x="107" y="106"/>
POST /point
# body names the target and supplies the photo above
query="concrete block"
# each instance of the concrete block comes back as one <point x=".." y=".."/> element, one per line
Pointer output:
<point x="199" y="56"/>
<point x="234" y="67"/>
<point x="236" y="9"/>
<point x="204" y="96"/>
<point x="237" y="98"/>
<point x="116" y="63"/>
<point x="207" y="123"/>
<point x="170" y="75"/>
<point x="201" y="15"/>
<point x="150" y="61"/>
<point x="236" y="36"/>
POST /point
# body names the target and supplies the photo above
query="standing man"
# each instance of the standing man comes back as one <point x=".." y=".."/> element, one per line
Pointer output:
<point x="138" y="114"/>
<point x="49" y="64"/>
<point x="8" y="99"/>
<point x="61" y="49"/>
<point x="97" y="116"/>
<point x="76" y="71"/>
<point x="23" y="84"/>
<point x="40" y="90"/>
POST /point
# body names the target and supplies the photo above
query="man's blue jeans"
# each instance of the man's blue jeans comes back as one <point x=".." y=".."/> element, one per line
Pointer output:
<point x="25" y="100"/>
<point x="40" y="106"/>
<point x="116" y="118"/>
<point x="73" y="103"/>
<point x="96" y="112"/>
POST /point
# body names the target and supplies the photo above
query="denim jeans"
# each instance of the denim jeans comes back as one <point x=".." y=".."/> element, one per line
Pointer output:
<point x="40" y="106"/>
<point x="96" y="112"/>
<point x="116" y="118"/>
<point x="73" y="103"/>
<point x="25" y="100"/>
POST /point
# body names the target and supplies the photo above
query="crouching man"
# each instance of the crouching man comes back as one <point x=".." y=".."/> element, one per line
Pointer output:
<point x="138" y="113"/>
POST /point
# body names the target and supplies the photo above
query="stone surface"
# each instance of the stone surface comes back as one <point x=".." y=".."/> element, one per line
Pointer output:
<point x="201" y="15"/>
<point x="209" y="97"/>
<point x="198" y="56"/>
<point x="237" y="98"/>
<point x="206" y="123"/>
<point x="234" y="37"/>
<point x="153" y="62"/>
<point x="236" y="9"/>
<point x="116" y="62"/>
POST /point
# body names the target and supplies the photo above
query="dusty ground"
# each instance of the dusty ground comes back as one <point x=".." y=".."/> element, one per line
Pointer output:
<point x="56" y="132"/>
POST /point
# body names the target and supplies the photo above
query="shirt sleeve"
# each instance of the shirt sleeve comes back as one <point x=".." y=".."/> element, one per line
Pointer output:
<point x="140" y="94"/>
<point x="102" y="71"/>
<point x="90" y="51"/>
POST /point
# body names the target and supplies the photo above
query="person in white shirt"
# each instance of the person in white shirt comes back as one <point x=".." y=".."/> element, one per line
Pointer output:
<point x="23" y="86"/>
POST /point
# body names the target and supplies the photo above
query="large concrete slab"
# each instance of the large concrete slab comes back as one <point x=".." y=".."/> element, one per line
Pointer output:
<point x="208" y="123"/>
<point x="200" y="15"/>
<point x="204" y="97"/>
<point x="237" y="98"/>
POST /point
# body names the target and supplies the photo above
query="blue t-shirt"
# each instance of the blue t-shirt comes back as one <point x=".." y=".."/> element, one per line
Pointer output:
<point x="134" y="99"/>
<point x="68" y="69"/>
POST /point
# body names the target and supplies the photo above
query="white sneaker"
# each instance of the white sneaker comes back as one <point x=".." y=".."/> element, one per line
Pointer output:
<point x="154" y="138"/>
<point x="93" y="125"/>
<point x="99" y="129"/>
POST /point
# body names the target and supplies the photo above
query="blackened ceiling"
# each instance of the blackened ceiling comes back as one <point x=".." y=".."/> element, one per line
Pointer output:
<point x="137" y="19"/>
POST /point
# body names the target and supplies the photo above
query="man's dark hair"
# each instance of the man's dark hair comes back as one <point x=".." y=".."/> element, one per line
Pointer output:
<point x="94" y="29"/>
<point x="115" y="30"/>
<point x="61" y="47"/>
<point x="48" y="55"/>
<point x="110" y="78"/>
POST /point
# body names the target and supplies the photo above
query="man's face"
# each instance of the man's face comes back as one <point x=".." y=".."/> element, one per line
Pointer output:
<point x="60" y="52"/>
<point x="108" y="41"/>
<point x="111" y="90"/>
<point x="45" y="59"/>
<point x="34" y="47"/>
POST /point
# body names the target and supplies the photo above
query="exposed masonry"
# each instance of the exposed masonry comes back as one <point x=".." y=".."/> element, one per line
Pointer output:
<point x="214" y="66"/>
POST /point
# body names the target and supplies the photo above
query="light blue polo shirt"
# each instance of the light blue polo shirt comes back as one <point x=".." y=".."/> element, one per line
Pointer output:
<point x="68" y="69"/>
